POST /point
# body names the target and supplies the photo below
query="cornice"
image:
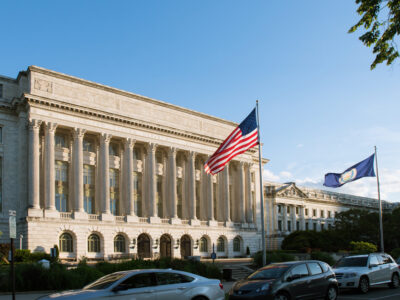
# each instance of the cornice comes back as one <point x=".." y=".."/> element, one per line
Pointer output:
<point x="39" y="101"/>
<point x="126" y="94"/>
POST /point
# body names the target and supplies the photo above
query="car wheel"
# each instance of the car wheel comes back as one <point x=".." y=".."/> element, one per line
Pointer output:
<point x="282" y="296"/>
<point x="331" y="293"/>
<point x="363" y="286"/>
<point x="200" y="298"/>
<point x="395" y="281"/>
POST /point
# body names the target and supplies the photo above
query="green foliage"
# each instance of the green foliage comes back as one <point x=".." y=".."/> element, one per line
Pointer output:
<point x="323" y="256"/>
<point x="272" y="256"/>
<point x="363" y="247"/>
<point x="395" y="253"/>
<point x="381" y="20"/>
<point x="304" y="241"/>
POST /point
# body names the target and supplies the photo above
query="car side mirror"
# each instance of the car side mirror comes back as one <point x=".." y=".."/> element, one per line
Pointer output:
<point x="120" y="287"/>
<point x="289" y="279"/>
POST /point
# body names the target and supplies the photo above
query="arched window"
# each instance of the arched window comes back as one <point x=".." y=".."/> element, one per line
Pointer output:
<point x="94" y="243"/>
<point x="236" y="244"/>
<point x="119" y="243"/>
<point x="203" y="245"/>
<point x="66" y="244"/>
<point x="220" y="244"/>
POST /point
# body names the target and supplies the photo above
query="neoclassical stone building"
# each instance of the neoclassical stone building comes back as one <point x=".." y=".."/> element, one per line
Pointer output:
<point x="289" y="208"/>
<point x="106" y="173"/>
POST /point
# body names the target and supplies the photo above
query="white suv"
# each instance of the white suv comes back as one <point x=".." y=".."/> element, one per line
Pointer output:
<point x="363" y="271"/>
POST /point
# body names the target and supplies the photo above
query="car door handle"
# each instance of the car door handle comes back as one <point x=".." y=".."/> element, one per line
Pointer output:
<point x="181" y="288"/>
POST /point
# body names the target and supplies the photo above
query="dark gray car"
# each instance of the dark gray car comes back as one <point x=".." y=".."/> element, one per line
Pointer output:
<point x="310" y="279"/>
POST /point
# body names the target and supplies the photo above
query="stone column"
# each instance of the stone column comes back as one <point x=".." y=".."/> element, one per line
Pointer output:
<point x="173" y="192"/>
<point x="294" y="220"/>
<point x="34" y="170"/>
<point x="210" y="200"/>
<point x="249" y="215"/>
<point x="276" y="217"/>
<point x="50" y="195"/>
<point x="78" y="134"/>
<point x="151" y="160"/>
<point x="105" y="176"/>
<point x="227" y="196"/>
<point x="129" y="144"/>
<point x="192" y="188"/>
<point x="302" y="219"/>
<point x="242" y="195"/>
<point x="284" y="220"/>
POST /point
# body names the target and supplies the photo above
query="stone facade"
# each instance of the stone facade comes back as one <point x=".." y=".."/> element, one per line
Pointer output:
<point x="105" y="173"/>
<point x="289" y="208"/>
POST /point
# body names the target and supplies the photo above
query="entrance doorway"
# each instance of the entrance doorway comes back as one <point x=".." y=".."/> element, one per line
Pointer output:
<point x="186" y="246"/>
<point x="165" y="246"/>
<point x="143" y="246"/>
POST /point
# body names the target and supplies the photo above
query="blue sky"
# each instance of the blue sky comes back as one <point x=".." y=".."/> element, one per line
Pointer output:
<point x="321" y="108"/>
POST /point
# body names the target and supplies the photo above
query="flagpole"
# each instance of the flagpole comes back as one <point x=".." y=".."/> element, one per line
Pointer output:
<point x="264" y="258"/>
<point x="380" y="203"/>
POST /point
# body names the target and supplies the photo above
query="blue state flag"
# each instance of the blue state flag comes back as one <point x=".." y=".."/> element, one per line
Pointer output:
<point x="364" y="168"/>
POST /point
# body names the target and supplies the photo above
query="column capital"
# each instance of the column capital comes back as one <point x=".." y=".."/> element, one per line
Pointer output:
<point x="129" y="143"/>
<point x="172" y="151"/>
<point x="105" y="137"/>
<point x="50" y="126"/>
<point x="34" y="124"/>
<point x="192" y="155"/>
<point x="78" y="133"/>
<point x="152" y="147"/>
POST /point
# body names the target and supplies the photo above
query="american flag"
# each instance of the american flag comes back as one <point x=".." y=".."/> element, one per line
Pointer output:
<point x="244" y="137"/>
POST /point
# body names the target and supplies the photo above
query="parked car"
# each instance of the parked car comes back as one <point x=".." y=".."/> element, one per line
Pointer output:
<point x="148" y="284"/>
<point x="363" y="271"/>
<point x="310" y="279"/>
<point x="398" y="261"/>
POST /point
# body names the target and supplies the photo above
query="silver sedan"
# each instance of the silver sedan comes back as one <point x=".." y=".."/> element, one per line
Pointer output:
<point x="150" y="284"/>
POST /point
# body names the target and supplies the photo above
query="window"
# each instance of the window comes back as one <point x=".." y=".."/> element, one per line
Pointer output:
<point x="329" y="214"/>
<point x="299" y="271"/>
<point x="159" y="196"/>
<point x="61" y="185"/>
<point x="60" y="140"/>
<point x="113" y="149"/>
<point x="297" y="225"/>
<point x="137" y="193"/>
<point x="215" y="200"/>
<point x="197" y="199"/>
<point x="325" y="266"/>
<point x="94" y="243"/>
<point x="314" y="212"/>
<point x="88" y="189"/>
<point x="220" y="245"/>
<point x="315" y="268"/>
<point x="114" y="191"/>
<point x="280" y="225"/>
<point x="66" y="243"/>
<point x="386" y="259"/>
<point x="236" y="244"/>
<point x="172" y="278"/>
<point x="373" y="260"/>
<point x="279" y="209"/>
<point x="1" y="91"/>
<point x="315" y="226"/>
<point x="139" y="281"/>
<point x="179" y="206"/>
<point x="307" y="226"/>
<point x="289" y="226"/>
<point x="119" y="243"/>
<point x="306" y="210"/>
<point x="88" y="145"/>
<point x="297" y="210"/>
<point x="203" y="245"/>
<point x="322" y="214"/>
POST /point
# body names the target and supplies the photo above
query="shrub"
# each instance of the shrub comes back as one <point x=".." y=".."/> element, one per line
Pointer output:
<point x="396" y="253"/>
<point x="272" y="256"/>
<point x="323" y="256"/>
<point x="362" y="247"/>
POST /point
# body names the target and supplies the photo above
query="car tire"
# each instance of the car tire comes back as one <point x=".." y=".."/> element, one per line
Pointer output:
<point x="363" y="285"/>
<point x="331" y="293"/>
<point x="282" y="296"/>
<point x="200" y="298"/>
<point x="395" y="283"/>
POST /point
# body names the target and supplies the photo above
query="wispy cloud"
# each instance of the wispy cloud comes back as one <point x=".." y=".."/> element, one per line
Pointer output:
<point x="299" y="146"/>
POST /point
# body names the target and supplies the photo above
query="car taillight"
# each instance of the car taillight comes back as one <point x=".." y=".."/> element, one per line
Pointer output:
<point x="221" y="286"/>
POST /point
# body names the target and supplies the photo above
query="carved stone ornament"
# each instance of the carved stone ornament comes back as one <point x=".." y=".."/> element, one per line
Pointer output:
<point x="43" y="85"/>
<point x="34" y="124"/>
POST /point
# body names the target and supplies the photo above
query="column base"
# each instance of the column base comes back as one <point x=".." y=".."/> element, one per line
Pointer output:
<point x="107" y="217"/>
<point x="155" y="220"/>
<point x="194" y="222"/>
<point x="252" y="225"/>
<point x="229" y="224"/>
<point x="80" y="215"/>
<point x="245" y="225"/>
<point x="212" y="223"/>
<point x="52" y="213"/>
<point x="35" y="212"/>
<point x="176" y="221"/>
<point x="132" y="219"/>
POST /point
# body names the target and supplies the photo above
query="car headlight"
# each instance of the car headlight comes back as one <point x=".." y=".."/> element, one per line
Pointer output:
<point x="264" y="287"/>
<point x="349" y="275"/>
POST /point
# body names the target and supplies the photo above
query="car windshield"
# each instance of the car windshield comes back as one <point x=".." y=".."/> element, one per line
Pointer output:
<point x="104" y="282"/>
<point x="269" y="272"/>
<point x="352" y="262"/>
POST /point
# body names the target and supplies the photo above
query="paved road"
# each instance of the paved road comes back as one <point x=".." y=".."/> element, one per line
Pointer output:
<point x="378" y="293"/>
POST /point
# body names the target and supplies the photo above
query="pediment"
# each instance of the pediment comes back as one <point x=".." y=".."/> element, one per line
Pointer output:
<point x="290" y="190"/>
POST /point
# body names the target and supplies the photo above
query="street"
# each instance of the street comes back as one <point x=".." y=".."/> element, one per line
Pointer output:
<point x="378" y="293"/>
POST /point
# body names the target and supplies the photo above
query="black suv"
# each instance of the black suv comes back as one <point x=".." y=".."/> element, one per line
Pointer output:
<point x="311" y="279"/>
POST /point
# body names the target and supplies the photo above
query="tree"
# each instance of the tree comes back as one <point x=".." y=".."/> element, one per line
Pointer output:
<point x="381" y="19"/>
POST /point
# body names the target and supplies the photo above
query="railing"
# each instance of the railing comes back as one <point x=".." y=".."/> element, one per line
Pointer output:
<point x="203" y="223"/>
<point x="65" y="215"/>
<point x="185" y="222"/>
<point x="94" y="217"/>
<point x="165" y="221"/>
<point x="142" y="220"/>
<point x="120" y="218"/>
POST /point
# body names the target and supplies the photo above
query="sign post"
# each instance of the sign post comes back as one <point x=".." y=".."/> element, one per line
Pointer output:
<point x="13" y="234"/>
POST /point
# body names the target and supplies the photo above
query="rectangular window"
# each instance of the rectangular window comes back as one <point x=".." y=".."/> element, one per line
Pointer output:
<point x="88" y="189"/>
<point x="279" y="209"/>
<point x="322" y="214"/>
<point x="114" y="192"/>
<point x="289" y="226"/>
<point x="60" y="141"/>
<point x="314" y="212"/>
<point x="298" y="225"/>
<point x="137" y="193"/>
<point x="180" y="198"/>
<point x="197" y="199"/>
<point x="315" y="226"/>
<point x="280" y="225"/>
<point x="329" y="214"/>
<point x="306" y="211"/>
<point x="88" y="145"/>
<point x="297" y="210"/>
<point x="61" y="186"/>
<point x="159" y="196"/>
<point x="1" y="91"/>
<point x="215" y="200"/>
<point x="307" y="226"/>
